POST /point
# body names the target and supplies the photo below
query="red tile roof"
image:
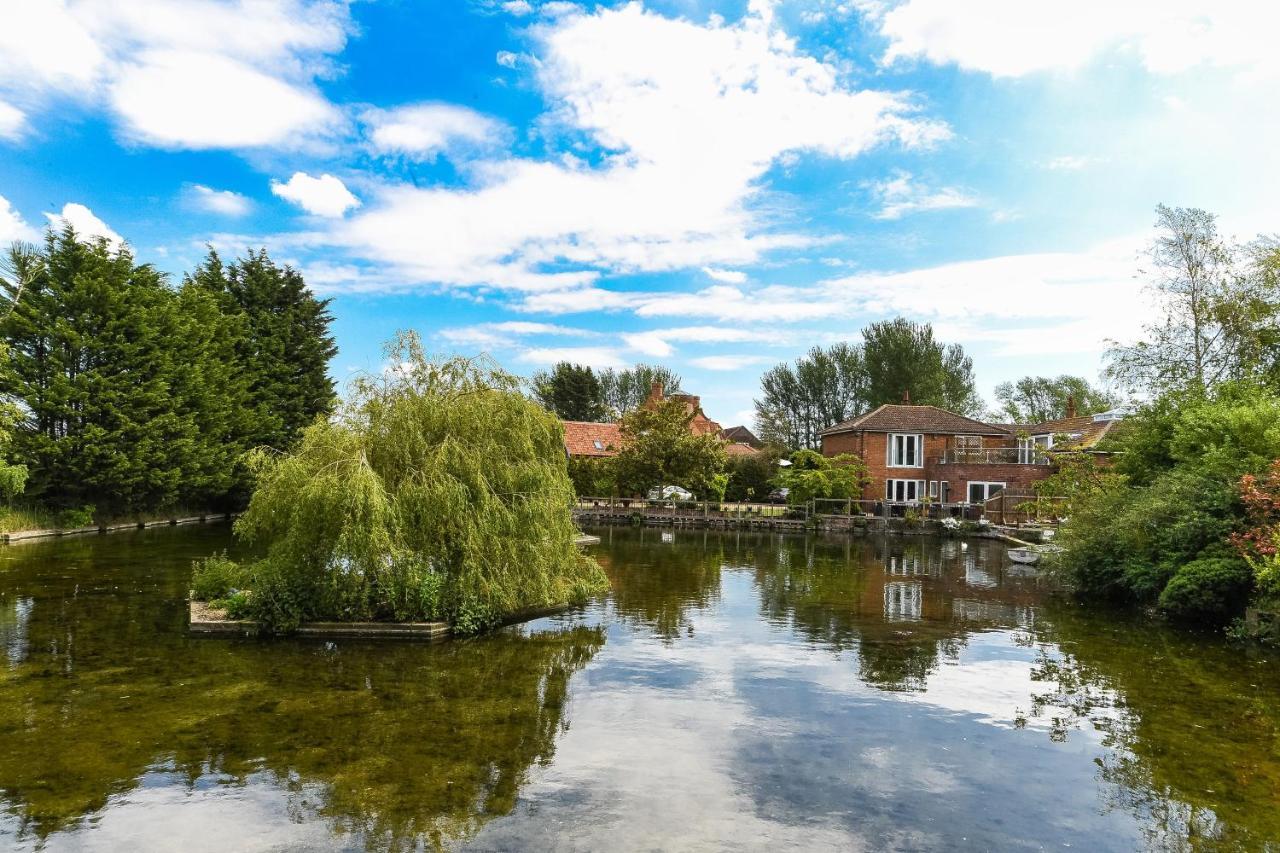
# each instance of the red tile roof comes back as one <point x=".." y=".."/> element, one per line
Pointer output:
<point x="739" y="448"/>
<point x="925" y="419"/>
<point x="584" y="438"/>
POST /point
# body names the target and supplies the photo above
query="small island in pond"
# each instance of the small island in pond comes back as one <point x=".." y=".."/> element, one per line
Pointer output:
<point x="436" y="500"/>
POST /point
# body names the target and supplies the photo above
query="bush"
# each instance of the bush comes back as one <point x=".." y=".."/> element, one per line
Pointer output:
<point x="1210" y="590"/>
<point x="216" y="577"/>
<point x="81" y="517"/>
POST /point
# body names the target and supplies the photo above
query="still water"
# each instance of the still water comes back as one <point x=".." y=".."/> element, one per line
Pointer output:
<point x="735" y="691"/>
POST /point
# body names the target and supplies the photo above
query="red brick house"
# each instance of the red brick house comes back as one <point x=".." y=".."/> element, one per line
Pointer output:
<point x="913" y="452"/>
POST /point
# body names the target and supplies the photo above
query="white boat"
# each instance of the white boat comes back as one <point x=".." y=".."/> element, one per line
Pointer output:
<point x="1027" y="556"/>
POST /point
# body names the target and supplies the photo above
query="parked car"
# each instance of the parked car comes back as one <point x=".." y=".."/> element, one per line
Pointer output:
<point x="779" y="496"/>
<point x="670" y="493"/>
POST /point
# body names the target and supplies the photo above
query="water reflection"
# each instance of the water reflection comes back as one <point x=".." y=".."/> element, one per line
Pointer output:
<point x="734" y="691"/>
<point x="390" y="745"/>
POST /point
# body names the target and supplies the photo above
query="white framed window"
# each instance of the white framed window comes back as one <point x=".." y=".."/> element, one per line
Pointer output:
<point x="981" y="492"/>
<point x="933" y="489"/>
<point x="903" y="491"/>
<point x="598" y="444"/>
<point x="905" y="451"/>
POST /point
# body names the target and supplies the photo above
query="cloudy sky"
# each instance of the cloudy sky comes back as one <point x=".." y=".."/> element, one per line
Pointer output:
<point x="716" y="186"/>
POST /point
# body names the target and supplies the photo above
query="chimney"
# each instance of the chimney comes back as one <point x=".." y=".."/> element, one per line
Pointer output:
<point x="906" y="397"/>
<point x="655" y="392"/>
<point x="1071" y="405"/>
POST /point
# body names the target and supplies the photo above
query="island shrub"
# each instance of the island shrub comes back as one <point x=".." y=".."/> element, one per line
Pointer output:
<point x="216" y="577"/>
<point x="438" y="492"/>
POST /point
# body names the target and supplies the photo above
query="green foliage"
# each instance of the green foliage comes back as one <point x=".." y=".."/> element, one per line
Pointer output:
<point x="830" y="385"/>
<point x="216" y="577"/>
<point x="592" y="477"/>
<point x="626" y="390"/>
<point x="1173" y="499"/>
<point x="751" y="478"/>
<point x="826" y="386"/>
<point x="1210" y="589"/>
<point x="903" y="356"/>
<point x="572" y="391"/>
<point x="813" y="475"/>
<point x="658" y="449"/>
<point x="134" y="395"/>
<point x="440" y="492"/>
<point x="282" y="341"/>
<point x="1033" y="399"/>
<point x="1219" y="310"/>
<point x="72" y="517"/>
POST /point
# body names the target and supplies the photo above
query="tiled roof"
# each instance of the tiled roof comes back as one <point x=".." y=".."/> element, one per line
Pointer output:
<point x="584" y="438"/>
<point x="1090" y="431"/>
<point x="926" y="419"/>
<point x="742" y="434"/>
<point x="740" y="448"/>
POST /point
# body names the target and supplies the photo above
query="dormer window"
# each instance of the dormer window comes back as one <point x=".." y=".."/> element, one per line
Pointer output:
<point x="598" y="444"/>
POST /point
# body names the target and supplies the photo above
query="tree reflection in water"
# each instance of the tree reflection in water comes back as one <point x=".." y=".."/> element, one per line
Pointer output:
<point x="395" y="744"/>
<point x="1180" y="716"/>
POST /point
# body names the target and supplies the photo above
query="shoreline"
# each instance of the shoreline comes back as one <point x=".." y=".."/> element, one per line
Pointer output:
<point x="51" y="533"/>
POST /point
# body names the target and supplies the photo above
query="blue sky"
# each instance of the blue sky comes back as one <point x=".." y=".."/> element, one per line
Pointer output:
<point x="713" y="186"/>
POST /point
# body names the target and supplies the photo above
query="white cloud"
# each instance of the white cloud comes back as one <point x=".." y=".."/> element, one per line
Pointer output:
<point x="1067" y="163"/>
<point x="742" y="95"/>
<point x="322" y="196"/>
<point x="648" y="344"/>
<point x="1052" y="302"/>
<point x="729" y="362"/>
<point x="505" y="334"/>
<point x="178" y="99"/>
<point x="420" y="131"/>
<point x="13" y="226"/>
<point x="1010" y="38"/>
<point x="507" y="59"/>
<point x="196" y="74"/>
<point x="1040" y="303"/>
<point x="13" y="121"/>
<point x="86" y="224"/>
<point x="902" y="194"/>
<point x="726" y="276"/>
<point x="596" y="357"/>
<point x="517" y="7"/>
<point x="224" y="202"/>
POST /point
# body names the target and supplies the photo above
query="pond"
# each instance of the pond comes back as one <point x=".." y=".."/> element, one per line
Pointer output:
<point x="735" y="691"/>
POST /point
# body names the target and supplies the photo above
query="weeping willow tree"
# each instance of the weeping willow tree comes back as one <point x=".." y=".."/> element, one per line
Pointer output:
<point x="438" y="492"/>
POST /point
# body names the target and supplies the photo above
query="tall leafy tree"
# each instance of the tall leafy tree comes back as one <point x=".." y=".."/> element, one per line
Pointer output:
<point x="572" y="391"/>
<point x="824" y="387"/>
<point x="625" y="390"/>
<point x="902" y="357"/>
<point x="1218" y="306"/>
<point x="658" y="449"/>
<point x="1033" y="399"/>
<point x="284" y="347"/>
<point x="100" y="358"/>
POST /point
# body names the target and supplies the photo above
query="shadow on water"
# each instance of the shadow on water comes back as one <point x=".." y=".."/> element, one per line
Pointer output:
<point x="391" y="745"/>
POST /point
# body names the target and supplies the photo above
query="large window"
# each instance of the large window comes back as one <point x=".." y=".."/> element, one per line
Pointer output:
<point x="982" y="492"/>
<point x="906" y="451"/>
<point x="903" y="491"/>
